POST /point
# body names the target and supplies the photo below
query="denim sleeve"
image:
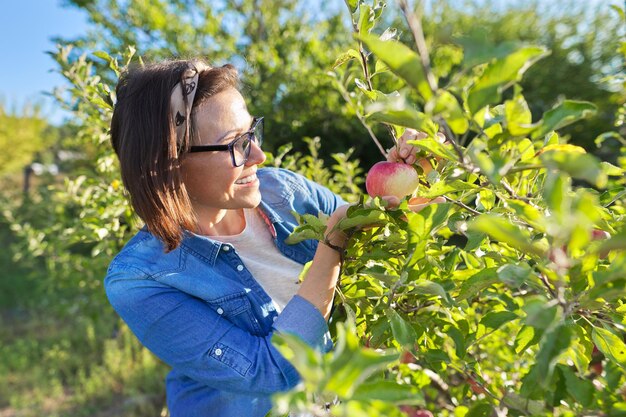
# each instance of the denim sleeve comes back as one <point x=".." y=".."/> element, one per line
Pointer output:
<point x="326" y="200"/>
<point x="191" y="337"/>
<point x="303" y="319"/>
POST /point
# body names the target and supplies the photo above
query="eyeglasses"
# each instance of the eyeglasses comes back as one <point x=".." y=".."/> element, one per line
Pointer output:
<point x="240" y="147"/>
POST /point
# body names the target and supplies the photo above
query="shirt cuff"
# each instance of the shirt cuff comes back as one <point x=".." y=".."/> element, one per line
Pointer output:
<point x="301" y="318"/>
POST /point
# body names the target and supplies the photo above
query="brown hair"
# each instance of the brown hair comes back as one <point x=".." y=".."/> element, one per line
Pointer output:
<point x="143" y="136"/>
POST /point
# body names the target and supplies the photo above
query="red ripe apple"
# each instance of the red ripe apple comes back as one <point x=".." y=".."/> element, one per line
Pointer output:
<point x="392" y="179"/>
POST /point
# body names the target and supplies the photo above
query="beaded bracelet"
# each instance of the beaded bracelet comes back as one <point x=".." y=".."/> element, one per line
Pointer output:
<point x="338" y="249"/>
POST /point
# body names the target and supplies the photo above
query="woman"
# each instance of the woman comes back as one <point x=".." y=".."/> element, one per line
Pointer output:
<point x="209" y="279"/>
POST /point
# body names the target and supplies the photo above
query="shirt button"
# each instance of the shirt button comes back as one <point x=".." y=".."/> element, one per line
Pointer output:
<point x="218" y="352"/>
<point x="226" y="248"/>
<point x="220" y="311"/>
<point x="239" y="268"/>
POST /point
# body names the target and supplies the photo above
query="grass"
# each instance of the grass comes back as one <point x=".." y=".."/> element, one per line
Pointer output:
<point x="60" y="365"/>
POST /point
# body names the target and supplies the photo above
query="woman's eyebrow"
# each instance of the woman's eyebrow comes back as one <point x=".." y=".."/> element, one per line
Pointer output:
<point x="232" y="134"/>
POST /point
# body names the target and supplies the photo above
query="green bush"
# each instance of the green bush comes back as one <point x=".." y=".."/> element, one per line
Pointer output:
<point x="508" y="298"/>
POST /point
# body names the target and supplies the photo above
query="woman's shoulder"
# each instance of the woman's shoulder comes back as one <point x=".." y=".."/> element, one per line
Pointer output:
<point x="145" y="254"/>
<point x="272" y="175"/>
<point x="283" y="183"/>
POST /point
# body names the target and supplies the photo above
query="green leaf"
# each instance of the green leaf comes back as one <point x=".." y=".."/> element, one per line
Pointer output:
<point x="553" y="342"/>
<point x="526" y="337"/>
<point x="103" y="55"/>
<point x="302" y="233"/>
<point x="446" y="187"/>
<point x="426" y="287"/>
<point x="502" y="230"/>
<point x="345" y="57"/>
<point x="388" y="391"/>
<point x="435" y="356"/>
<point x="402" y="60"/>
<point x="518" y="116"/>
<point x="402" y="331"/>
<point x="352" y="5"/>
<point x="435" y="147"/>
<point x="563" y="114"/>
<point x="556" y="194"/>
<point x="581" y="390"/>
<point x="495" y="319"/>
<point x="406" y="117"/>
<point x="514" y="275"/>
<point x="610" y="345"/>
<point x="459" y="340"/>
<point x="579" y="165"/>
<point x="367" y="217"/>
<point x="351" y="364"/>
<point x="528" y="213"/>
<point x="477" y="283"/>
<point x="486" y="200"/>
<point x="421" y="226"/>
<point x="481" y="409"/>
<point x="489" y="165"/>
<point x="449" y="108"/>
<point x="539" y="313"/>
<point x="423" y="223"/>
<point x="501" y="73"/>
<point x="366" y="18"/>
<point x="516" y="401"/>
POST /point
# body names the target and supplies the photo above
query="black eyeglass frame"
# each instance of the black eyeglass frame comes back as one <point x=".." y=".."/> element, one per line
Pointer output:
<point x="231" y="146"/>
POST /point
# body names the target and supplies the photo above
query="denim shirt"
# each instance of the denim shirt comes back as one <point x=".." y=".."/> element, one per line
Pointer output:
<point x="201" y="311"/>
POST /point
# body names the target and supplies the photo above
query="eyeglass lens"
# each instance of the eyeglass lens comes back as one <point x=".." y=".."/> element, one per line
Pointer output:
<point x="243" y="146"/>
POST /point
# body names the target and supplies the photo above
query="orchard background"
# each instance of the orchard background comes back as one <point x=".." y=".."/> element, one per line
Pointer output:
<point x="508" y="299"/>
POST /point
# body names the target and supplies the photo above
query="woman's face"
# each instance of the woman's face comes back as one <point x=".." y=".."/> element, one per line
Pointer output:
<point x="212" y="182"/>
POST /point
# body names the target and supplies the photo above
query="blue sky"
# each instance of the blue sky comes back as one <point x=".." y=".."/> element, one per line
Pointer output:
<point x="26" y="27"/>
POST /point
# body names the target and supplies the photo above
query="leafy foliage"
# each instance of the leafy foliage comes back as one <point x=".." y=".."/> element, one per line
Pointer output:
<point x="498" y="297"/>
<point x="22" y="135"/>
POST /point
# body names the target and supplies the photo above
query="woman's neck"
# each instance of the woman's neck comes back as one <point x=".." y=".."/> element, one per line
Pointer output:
<point x="225" y="222"/>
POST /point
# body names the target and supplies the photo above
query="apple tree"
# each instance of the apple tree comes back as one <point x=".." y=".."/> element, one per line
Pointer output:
<point x="509" y="298"/>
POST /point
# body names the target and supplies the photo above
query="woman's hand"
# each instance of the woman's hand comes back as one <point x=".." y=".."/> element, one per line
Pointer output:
<point x="415" y="204"/>
<point x="403" y="151"/>
<point x="333" y="235"/>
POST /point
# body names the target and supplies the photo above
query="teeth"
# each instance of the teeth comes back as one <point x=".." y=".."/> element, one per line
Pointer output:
<point x="246" y="180"/>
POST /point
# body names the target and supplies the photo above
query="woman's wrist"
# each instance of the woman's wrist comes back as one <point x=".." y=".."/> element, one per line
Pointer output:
<point x="335" y="238"/>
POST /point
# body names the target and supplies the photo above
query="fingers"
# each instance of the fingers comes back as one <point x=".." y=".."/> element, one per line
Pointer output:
<point x="418" y="203"/>
<point x="392" y="200"/>
<point x="392" y="155"/>
<point x="415" y="203"/>
<point x="403" y="151"/>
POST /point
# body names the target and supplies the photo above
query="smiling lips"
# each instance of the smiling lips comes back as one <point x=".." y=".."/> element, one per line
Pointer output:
<point x="246" y="180"/>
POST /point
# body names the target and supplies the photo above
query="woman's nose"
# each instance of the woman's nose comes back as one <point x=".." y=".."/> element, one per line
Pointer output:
<point x="257" y="156"/>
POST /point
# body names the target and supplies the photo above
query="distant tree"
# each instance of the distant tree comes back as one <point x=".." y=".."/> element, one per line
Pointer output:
<point x="23" y="134"/>
<point x="583" y="39"/>
<point x="282" y="48"/>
